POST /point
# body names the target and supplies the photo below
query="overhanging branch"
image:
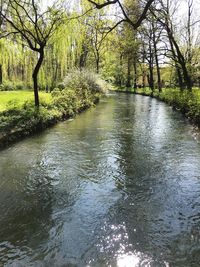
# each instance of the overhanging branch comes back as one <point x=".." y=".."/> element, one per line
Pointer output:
<point x="127" y="19"/>
<point x="107" y="3"/>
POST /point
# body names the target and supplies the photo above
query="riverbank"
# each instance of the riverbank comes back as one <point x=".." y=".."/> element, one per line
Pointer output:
<point x="188" y="103"/>
<point x="19" y="121"/>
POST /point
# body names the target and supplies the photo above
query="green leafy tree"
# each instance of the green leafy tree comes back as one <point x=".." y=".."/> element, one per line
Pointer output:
<point x="35" y="25"/>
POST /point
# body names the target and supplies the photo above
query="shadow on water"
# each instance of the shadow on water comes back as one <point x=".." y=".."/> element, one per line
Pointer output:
<point x="118" y="186"/>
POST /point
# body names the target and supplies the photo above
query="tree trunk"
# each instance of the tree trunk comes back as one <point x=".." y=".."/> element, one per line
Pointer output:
<point x="181" y="60"/>
<point x="157" y="62"/>
<point x="97" y="59"/>
<point x="151" y="76"/>
<point x="143" y="79"/>
<point x="22" y="72"/>
<point x="35" y="76"/>
<point x="135" y="75"/>
<point x="83" y="56"/>
<point x="8" y="70"/>
<point x="158" y="72"/>
<point x="189" y="42"/>
<point x="180" y="79"/>
<point x="1" y="74"/>
<point x="97" y="64"/>
<point x="143" y="67"/>
<point x="23" y="66"/>
<point x="128" y="81"/>
<point x="56" y="72"/>
<point x="178" y="71"/>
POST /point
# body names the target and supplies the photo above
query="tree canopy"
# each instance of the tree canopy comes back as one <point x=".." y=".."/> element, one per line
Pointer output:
<point x="129" y="43"/>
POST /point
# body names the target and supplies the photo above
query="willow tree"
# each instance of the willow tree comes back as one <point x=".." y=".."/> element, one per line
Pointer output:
<point x="36" y="24"/>
<point x="1" y="23"/>
<point x="3" y="33"/>
<point x="63" y="50"/>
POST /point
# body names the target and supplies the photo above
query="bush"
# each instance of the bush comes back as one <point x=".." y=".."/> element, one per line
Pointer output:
<point x="9" y="86"/>
<point x="19" y="86"/>
<point x="80" y="91"/>
<point x="56" y="92"/>
<point x="185" y="101"/>
<point x="2" y="87"/>
<point x="81" y="80"/>
<point x="61" y="86"/>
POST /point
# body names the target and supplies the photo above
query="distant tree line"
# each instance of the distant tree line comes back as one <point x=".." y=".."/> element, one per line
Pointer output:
<point x="130" y="43"/>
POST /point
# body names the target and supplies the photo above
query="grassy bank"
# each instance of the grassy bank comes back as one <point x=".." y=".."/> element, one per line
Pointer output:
<point x="20" y="118"/>
<point x="186" y="102"/>
<point x="10" y="99"/>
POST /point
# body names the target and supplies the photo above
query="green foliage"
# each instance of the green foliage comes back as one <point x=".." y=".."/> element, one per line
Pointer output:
<point x="81" y="90"/>
<point x="185" y="101"/>
<point x="81" y="80"/>
<point x="19" y="117"/>
<point x="12" y="86"/>
<point x="67" y="102"/>
<point x="61" y="86"/>
<point x="6" y="87"/>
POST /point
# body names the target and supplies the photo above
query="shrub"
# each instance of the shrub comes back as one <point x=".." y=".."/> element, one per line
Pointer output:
<point x="19" y="86"/>
<point x="9" y="86"/>
<point x="82" y="90"/>
<point x="67" y="102"/>
<point x="2" y="87"/>
<point x="61" y="86"/>
<point x="188" y="102"/>
<point x="56" y="92"/>
<point x="80" y="80"/>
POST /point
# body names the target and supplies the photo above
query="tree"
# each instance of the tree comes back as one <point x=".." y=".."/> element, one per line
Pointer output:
<point x="1" y="23"/>
<point x="97" y="28"/>
<point x="133" y="13"/>
<point x="162" y="15"/>
<point x="191" y="37"/>
<point x="35" y="25"/>
<point x="156" y="32"/>
<point x="2" y="4"/>
<point x="129" y="50"/>
<point x="127" y="18"/>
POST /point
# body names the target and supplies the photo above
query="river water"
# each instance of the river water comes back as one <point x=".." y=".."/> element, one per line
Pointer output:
<point x="118" y="186"/>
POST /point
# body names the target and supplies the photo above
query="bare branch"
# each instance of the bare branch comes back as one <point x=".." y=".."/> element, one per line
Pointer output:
<point x="136" y="24"/>
<point x="99" y="6"/>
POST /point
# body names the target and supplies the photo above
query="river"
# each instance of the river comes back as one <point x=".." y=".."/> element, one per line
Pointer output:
<point x="117" y="186"/>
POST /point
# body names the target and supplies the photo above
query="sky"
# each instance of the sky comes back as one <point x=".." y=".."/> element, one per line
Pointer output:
<point x="181" y="13"/>
<point x="75" y="3"/>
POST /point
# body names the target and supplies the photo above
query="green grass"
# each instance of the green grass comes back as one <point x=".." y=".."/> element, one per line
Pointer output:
<point x="9" y="99"/>
<point x="19" y="117"/>
<point x="22" y="118"/>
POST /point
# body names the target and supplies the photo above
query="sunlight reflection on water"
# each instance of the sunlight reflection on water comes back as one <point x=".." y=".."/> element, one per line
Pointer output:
<point x="136" y="259"/>
<point x="128" y="260"/>
<point x="117" y="236"/>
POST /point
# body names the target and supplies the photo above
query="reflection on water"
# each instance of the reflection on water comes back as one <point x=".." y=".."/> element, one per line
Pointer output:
<point x="136" y="260"/>
<point x="118" y="186"/>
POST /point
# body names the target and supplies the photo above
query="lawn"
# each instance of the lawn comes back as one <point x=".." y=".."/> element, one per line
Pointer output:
<point x="17" y="98"/>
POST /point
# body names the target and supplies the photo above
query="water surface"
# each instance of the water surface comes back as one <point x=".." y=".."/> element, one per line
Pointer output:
<point x="118" y="186"/>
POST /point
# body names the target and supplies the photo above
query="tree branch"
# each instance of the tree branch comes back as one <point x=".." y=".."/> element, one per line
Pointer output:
<point x="136" y="24"/>
<point x="99" y="6"/>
